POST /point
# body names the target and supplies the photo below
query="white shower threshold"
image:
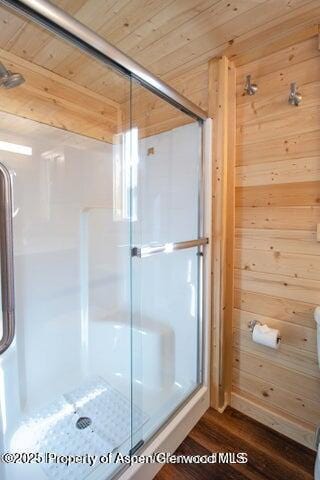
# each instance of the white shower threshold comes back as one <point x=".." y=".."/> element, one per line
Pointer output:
<point x="171" y="436"/>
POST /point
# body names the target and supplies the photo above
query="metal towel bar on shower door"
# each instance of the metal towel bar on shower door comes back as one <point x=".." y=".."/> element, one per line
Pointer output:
<point x="6" y="258"/>
<point x="148" y="250"/>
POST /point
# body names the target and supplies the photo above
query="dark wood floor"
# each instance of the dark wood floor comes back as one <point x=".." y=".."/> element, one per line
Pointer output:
<point x="270" y="455"/>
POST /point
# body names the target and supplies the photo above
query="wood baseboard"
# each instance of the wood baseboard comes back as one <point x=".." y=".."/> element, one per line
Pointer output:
<point x="295" y="430"/>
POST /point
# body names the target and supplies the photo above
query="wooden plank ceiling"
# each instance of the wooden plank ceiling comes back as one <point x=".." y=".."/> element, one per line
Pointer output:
<point x="172" y="38"/>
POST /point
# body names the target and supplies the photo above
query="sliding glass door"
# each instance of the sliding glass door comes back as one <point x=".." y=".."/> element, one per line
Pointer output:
<point x="166" y="259"/>
<point x="101" y="262"/>
<point x="65" y="356"/>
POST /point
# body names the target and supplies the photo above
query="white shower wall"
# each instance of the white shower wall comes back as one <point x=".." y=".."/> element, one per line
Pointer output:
<point x="166" y="285"/>
<point x="72" y="266"/>
<point x="168" y="185"/>
<point x="57" y="194"/>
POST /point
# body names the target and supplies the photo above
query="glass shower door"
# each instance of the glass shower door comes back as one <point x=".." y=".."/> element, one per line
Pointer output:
<point x="166" y="260"/>
<point x="101" y="254"/>
<point x="65" y="376"/>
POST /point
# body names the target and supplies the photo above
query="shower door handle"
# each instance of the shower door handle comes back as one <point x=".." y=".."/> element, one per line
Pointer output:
<point x="6" y="259"/>
<point x="148" y="250"/>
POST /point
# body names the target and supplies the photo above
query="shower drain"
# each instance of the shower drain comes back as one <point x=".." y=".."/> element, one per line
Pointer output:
<point x="83" y="423"/>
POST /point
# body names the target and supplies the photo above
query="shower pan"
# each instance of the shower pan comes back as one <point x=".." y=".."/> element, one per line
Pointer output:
<point x="104" y="270"/>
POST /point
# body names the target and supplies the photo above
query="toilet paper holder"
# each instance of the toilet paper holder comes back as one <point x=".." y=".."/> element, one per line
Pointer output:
<point x="253" y="323"/>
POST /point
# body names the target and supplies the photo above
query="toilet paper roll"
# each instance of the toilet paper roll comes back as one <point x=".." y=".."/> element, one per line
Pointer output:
<point x="266" y="336"/>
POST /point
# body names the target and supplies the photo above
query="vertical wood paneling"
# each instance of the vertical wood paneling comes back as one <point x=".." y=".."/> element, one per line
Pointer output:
<point x="222" y="107"/>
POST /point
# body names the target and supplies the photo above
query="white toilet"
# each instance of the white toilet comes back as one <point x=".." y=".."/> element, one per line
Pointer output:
<point x="317" y="319"/>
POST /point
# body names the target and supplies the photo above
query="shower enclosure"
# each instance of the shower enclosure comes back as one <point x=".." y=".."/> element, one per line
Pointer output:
<point x="103" y="269"/>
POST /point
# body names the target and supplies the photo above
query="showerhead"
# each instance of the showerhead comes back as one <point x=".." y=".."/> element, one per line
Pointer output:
<point x="9" y="79"/>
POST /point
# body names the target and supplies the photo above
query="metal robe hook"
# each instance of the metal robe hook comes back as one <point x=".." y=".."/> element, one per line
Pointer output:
<point x="295" y="98"/>
<point x="250" y="88"/>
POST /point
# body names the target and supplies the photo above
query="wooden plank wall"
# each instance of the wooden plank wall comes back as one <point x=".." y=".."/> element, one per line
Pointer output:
<point x="153" y="115"/>
<point x="49" y="98"/>
<point x="277" y="257"/>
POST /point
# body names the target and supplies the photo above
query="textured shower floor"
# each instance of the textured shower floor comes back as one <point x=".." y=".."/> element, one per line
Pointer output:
<point x="53" y="428"/>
